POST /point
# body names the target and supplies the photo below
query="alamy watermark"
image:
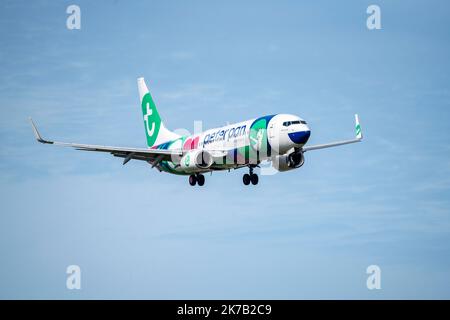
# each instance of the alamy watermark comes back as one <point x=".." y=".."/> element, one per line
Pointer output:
<point x="73" y="281"/>
<point x="374" y="278"/>
<point x="73" y="21"/>
<point x="373" y="21"/>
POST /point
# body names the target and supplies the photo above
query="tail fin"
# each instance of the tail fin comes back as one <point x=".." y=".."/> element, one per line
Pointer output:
<point x="155" y="130"/>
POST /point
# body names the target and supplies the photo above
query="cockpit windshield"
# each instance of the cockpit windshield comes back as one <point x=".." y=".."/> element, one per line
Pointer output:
<point x="289" y="123"/>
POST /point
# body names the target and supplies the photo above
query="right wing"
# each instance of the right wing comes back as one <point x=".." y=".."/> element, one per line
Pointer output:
<point x="153" y="156"/>
<point x="358" y="138"/>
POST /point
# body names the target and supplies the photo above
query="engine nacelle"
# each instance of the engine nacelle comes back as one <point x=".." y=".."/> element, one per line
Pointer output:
<point x="195" y="160"/>
<point x="290" y="161"/>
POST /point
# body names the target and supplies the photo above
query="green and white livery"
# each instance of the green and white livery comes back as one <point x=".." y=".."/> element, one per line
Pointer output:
<point x="278" y="138"/>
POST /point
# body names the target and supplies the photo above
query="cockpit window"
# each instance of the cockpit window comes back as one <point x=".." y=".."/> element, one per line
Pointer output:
<point x="288" y="123"/>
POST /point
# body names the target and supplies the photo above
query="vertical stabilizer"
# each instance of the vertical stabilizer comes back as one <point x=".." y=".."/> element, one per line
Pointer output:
<point x="155" y="130"/>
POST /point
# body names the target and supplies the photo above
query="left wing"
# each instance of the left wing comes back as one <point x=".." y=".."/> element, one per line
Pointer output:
<point x="153" y="156"/>
<point x="358" y="138"/>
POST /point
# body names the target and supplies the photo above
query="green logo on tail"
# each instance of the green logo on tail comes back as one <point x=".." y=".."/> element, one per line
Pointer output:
<point x="152" y="120"/>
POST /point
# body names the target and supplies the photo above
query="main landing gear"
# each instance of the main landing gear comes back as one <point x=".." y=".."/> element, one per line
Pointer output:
<point x="250" y="177"/>
<point x="196" y="179"/>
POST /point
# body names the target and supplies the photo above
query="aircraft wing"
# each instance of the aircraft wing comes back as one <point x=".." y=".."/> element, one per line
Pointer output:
<point x="358" y="138"/>
<point x="153" y="156"/>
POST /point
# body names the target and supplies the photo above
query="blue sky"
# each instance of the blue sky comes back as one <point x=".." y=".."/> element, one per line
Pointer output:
<point x="307" y="234"/>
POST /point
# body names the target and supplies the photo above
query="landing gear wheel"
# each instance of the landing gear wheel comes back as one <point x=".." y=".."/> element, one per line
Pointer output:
<point x="192" y="180"/>
<point x="254" y="179"/>
<point x="200" y="179"/>
<point x="246" y="179"/>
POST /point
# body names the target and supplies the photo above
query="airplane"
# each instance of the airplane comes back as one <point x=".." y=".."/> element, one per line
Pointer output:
<point x="279" y="138"/>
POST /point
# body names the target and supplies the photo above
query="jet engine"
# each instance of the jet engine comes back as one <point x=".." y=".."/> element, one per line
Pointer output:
<point x="290" y="161"/>
<point x="196" y="159"/>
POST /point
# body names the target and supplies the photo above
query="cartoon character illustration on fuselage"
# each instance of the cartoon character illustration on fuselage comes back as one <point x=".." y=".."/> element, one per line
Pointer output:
<point x="279" y="138"/>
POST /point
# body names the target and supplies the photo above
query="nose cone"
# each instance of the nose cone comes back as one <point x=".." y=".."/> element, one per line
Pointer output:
<point x="300" y="137"/>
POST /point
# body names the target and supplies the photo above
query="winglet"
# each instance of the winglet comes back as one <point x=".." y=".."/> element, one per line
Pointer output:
<point x="358" y="128"/>
<point x="37" y="134"/>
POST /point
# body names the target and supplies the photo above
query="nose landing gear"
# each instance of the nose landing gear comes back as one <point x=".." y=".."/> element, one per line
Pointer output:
<point x="250" y="177"/>
<point x="197" y="179"/>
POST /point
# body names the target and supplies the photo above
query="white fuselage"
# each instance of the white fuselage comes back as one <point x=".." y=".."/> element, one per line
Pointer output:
<point x="242" y="143"/>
